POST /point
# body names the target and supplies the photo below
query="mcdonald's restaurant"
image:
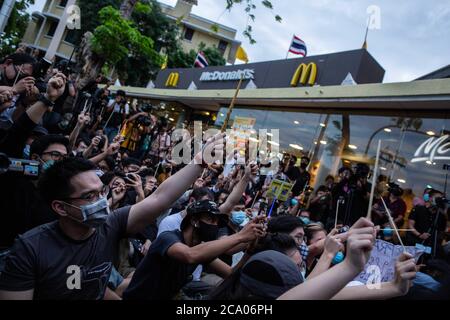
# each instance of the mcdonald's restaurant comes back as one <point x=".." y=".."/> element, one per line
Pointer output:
<point x="332" y="107"/>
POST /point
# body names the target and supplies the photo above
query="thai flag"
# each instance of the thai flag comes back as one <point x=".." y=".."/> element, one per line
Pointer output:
<point x="201" y="61"/>
<point x="298" y="46"/>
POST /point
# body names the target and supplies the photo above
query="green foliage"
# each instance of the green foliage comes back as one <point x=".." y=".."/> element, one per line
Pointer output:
<point x="117" y="40"/>
<point x="90" y="18"/>
<point x="15" y="29"/>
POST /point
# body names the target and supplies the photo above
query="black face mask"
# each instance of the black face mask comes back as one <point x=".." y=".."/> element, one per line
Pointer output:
<point x="207" y="232"/>
<point x="303" y="166"/>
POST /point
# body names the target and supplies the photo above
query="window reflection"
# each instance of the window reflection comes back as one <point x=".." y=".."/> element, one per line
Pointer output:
<point x="343" y="139"/>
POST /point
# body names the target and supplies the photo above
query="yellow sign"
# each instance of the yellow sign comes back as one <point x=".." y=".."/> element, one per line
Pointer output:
<point x="172" y="80"/>
<point x="305" y="74"/>
<point x="279" y="189"/>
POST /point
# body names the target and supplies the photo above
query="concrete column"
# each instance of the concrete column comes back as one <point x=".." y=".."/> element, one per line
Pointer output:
<point x="57" y="37"/>
<point x="5" y="12"/>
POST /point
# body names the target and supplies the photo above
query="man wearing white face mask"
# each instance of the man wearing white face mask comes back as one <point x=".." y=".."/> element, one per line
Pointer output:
<point x="72" y="258"/>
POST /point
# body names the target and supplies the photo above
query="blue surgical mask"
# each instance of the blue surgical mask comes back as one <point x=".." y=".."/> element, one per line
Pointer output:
<point x="238" y="217"/>
<point x="338" y="258"/>
<point x="388" y="232"/>
<point x="426" y="197"/>
<point x="47" y="165"/>
<point x="94" y="214"/>
<point x="26" y="152"/>
<point x="305" y="220"/>
<point x="294" y="202"/>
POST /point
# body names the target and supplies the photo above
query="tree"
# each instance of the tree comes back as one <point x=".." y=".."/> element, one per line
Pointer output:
<point x="15" y="29"/>
<point x="89" y="12"/>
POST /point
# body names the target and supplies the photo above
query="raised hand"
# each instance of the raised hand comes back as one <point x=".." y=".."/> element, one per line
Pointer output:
<point x="405" y="272"/>
<point x="253" y="230"/>
<point x="214" y="144"/>
<point x="56" y="86"/>
<point x="24" y="85"/>
<point x="332" y="243"/>
<point x="361" y="238"/>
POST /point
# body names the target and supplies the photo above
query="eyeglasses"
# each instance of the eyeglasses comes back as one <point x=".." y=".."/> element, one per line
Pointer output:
<point x="55" y="155"/>
<point x="93" y="195"/>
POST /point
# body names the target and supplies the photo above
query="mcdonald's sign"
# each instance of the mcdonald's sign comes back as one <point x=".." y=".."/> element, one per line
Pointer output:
<point x="172" y="79"/>
<point x="305" y="74"/>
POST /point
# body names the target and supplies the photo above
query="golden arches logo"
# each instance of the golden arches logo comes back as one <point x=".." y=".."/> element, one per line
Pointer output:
<point x="305" y="74"/>
<point x="172" y="79"/>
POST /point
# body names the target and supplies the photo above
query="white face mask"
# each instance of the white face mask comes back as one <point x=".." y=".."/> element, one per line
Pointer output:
<point x="94" y="214"/>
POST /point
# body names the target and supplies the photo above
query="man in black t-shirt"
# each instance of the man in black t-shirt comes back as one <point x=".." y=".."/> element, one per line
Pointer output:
<point x="72" y="258"/>
<point x="299" y="175"/>
<point x="423" y="218"/>
<point x="174" y="255"/>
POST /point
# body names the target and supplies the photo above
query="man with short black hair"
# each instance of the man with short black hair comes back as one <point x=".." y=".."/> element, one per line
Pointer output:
<point x="298" y="175"/>
<point x="428" y="220"/>
<point x="174" y="255"/>
<point x="72" y="258"/>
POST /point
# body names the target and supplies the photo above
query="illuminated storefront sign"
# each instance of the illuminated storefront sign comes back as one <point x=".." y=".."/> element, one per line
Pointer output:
<point x="248" y="74"/>
<point x="433" y="149"/>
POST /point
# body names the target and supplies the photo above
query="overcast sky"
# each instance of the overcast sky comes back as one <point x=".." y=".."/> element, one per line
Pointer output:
<point x="413" y="39"/>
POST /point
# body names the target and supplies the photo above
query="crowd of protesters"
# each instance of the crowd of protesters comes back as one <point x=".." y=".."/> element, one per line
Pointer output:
<point x="110" y="215"/>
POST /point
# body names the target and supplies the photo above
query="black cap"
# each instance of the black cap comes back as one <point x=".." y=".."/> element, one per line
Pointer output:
<point x="269" y="274"/>
<point x="204" y="206"/>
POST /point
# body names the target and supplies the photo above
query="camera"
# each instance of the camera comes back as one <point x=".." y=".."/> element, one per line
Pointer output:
<point x="27" y="168"/>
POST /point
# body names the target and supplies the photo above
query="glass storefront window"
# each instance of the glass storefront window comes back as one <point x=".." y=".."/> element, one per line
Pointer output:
<point x="336" y="139"/>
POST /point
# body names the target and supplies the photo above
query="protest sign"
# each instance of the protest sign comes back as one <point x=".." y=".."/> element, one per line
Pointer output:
<point x="279" y="189"/>
<point x="381" y="264"/>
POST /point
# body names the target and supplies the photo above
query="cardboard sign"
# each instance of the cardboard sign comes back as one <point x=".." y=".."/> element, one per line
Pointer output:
<point x="279" y="189"/>
<point x="381" y="264"/>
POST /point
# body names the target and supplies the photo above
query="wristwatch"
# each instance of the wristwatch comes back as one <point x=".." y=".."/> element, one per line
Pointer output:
<point x="43" y="98"/>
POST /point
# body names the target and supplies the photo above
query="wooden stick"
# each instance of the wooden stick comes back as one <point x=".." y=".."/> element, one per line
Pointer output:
<point x="393" y="224"/>
<point x="405" y="230"/>
<point x="254" y="200"/>
<point x="17" y="76"/>
<point x="230" y="108"/>
<point x="337" y="212"/>
<point x="374" y="181"/>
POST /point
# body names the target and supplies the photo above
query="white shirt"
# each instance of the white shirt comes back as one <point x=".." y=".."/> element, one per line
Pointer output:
<point x="117" y="106"/>
<point x="170" y="223"/>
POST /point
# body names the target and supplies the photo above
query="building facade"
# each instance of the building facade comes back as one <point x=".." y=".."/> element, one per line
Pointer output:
<point x="195" y="30"/>
<point x="47" y="30"/>
<point x="43" y="27"/>
<point x="333" y="108"/>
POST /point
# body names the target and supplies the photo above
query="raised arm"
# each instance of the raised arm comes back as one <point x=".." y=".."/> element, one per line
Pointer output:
<point x="239" y="189"/>
<point x="208" y="251"/>
<point x="405" y="272"/>
<point x="328" y="284"/>
<point x="144" y="212"/>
